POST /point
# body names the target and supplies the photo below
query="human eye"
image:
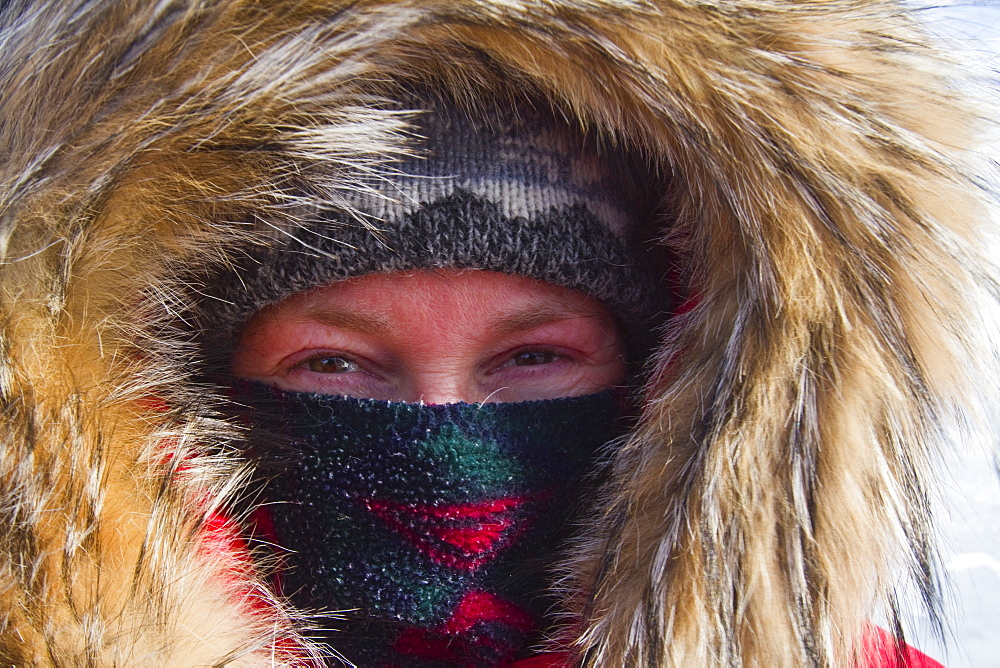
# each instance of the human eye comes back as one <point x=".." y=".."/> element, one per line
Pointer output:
<point x="533" y="358"/>
<point x="331" y="364"/>
<point x="336" y="372"/>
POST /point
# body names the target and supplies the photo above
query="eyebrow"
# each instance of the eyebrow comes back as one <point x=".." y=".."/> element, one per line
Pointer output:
<point x="517" y="320"/>
<point x="530" y="318"/>
<point x="351" y="321"/>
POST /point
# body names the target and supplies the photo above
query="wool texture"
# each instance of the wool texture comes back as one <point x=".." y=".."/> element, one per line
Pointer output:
<point x="814" y="179"/>
<point x="460" y="509"/>
<point x="566" y="246"/>
<point x="512" y="193"/>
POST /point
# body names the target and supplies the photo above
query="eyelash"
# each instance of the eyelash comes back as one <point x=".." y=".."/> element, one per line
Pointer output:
<point x="315" y="362"/>
<point x="308" y="363"/>
<point x="508" y="361"/>
<point x="548" y="355"/>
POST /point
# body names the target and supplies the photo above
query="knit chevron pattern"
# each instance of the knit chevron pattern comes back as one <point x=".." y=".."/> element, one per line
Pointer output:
<point x="458" y="231"/>
<point x="517" y="194"/>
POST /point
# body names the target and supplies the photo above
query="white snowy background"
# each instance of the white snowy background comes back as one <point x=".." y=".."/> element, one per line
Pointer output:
<point x="969" y="514"/>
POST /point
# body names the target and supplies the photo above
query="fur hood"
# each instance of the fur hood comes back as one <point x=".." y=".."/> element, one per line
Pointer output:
<point x="817" y="194"/>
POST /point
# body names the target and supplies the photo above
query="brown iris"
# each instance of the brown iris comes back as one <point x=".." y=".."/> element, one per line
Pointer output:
<point x="533" y="357"/>
<point x="332" y="364"/>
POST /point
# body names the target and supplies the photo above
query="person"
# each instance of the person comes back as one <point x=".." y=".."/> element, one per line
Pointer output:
<point x="538" y="333"/>
<point x="440" y="392"/>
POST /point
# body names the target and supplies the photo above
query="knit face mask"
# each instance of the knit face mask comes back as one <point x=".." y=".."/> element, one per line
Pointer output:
<point x="431" y="526"/>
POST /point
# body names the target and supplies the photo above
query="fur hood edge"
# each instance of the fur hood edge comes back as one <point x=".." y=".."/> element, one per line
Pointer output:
<point x="826" y="229"/>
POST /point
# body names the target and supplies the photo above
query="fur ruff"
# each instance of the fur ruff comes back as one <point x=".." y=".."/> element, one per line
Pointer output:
<point x="811" y="163"/>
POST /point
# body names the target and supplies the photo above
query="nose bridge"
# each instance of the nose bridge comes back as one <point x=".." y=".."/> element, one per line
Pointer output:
<point x="443" y="379"/>
<point x="439" y="361"/>
<point x="444" y="387"/>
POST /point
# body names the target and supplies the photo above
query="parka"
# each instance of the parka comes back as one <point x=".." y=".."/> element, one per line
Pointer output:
<point x="819" y="201"/>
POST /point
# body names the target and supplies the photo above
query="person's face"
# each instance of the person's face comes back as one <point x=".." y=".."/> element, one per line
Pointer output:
<point x="437" y="337"/>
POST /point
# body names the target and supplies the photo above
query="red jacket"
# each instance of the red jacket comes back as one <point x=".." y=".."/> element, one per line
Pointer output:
<point x="880" y="652"/>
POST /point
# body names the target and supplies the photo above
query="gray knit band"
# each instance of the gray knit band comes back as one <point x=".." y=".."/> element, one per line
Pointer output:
<point x="524" y="196"/>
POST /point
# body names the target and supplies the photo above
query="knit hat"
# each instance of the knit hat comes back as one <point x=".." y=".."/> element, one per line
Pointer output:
<point x="512" y="192"/>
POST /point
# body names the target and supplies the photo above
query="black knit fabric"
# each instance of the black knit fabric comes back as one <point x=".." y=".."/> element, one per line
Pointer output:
<point x="433" y="524"/>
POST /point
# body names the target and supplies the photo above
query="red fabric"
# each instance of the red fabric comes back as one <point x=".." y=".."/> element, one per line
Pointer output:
<point x="554" y="660"/>
<point x="881" y="651"/>
<point x="475" y="531"/>
<point x="152" y="403"/>
<point x="421" y="644"/>
<point x="475" y="607"/>
<point x="482" y="606"/>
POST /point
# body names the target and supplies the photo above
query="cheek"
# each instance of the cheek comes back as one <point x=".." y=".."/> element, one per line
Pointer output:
<point x="598" y="377"/>
<point x="613" y="373"/>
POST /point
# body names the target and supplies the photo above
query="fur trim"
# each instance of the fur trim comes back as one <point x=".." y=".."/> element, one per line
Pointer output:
<point x="823" y="218"/>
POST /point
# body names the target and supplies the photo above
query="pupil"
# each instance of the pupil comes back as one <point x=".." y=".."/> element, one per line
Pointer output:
<point x="533" y="357"/>
<point x="330" y="365"/>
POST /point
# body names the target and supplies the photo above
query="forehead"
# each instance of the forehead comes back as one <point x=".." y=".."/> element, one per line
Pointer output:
<point x="378" y="302"/>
